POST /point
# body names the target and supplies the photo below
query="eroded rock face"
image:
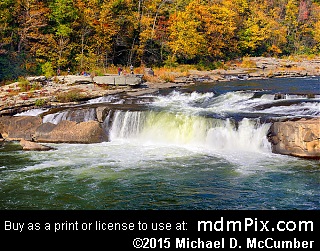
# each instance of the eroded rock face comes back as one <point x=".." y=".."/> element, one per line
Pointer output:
<point x="31" y="128"/>
<point x="20" y="127"/>
<point x="71" y="132"/>
<point x="297" y="138"/>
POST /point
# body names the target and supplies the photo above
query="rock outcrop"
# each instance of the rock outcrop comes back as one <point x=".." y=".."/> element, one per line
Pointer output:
<point x="20" y="127"/>
<point x="31" y="128"/>
<point x="33" y="146"/>
<point x="71" y="132"/>
<point x="299" y="138"/>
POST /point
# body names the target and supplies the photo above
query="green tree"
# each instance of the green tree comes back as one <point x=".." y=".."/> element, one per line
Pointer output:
<point x="292" y="24"/>
<point x="63" y="14"/>
<point x="6" y="25"/>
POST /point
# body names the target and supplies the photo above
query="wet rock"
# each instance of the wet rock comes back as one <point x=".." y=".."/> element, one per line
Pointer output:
<point x="278" y="96"/>
<point x="19" y="127"/>
<point x="37" y="79"/>
<point x="33" y="146"/>
<point x="299" y="138"/>
<point x="71" y="132"/>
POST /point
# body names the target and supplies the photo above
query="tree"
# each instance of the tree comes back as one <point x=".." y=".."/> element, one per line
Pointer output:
<point x="6" y="25"/>
<point x="185" y="39"/>
<point x="32" y="18"/>
<point x="261" y="32"/>
<point x="63" y="14"/>
<point x="84" y="27"/>
<point x="115" y="29"/>
<point x="218" y="27"/>
<point x="152" y="35"/>
<point x="292" y="24"/>
<point x="315" y="14"/>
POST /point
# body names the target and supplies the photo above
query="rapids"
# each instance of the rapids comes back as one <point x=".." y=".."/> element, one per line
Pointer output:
<point x="198" y="147"/>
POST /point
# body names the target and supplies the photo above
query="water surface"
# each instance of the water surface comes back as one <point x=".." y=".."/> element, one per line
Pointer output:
<point x="202" y="147"/>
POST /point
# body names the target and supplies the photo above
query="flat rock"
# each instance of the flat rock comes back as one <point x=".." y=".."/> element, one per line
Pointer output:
<point x="33" y="146"/>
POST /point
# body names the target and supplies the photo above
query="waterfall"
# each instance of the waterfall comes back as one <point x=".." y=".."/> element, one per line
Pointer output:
<point x="126" y="124"/>
<point x="189" y="130"/>
<point x="248" y="135"/>
<point x="78" y="115"/>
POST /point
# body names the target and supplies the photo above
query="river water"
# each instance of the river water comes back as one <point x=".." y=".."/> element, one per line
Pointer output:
<point x="198" y="147"/>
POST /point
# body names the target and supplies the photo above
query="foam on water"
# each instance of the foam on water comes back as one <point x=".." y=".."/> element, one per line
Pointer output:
<point x="175" y="154"/>
<point x="235" y="102"/>
<point x="32" y="112"/>
<point x="195" y="133"/>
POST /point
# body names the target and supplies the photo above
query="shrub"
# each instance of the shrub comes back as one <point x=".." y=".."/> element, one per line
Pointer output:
<point x="248" y="63"/>
<point x="70" y="96"/>
<point x="40" y="102"/>
<point x="47" y="69"/>
<point x="24" y="84"/>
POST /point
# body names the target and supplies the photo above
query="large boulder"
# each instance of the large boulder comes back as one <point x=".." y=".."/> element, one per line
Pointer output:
<point x="299" y="138"/>
<point x="19" y="127"/>
<point x="71" y="132"/>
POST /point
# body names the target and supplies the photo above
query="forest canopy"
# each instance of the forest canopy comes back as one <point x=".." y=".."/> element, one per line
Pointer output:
<point x="43" y="36"/>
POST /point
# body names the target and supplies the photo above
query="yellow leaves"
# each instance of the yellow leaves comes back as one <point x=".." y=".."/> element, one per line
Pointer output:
<point x="317" y="32"/>
<point x="261" y="29"/>
<point x="316" y="26"/>
<point x="184" y="36"/>
<point x="292" y="12"/>
<point x="202" y="29"/>
<point x="274" y="50"/>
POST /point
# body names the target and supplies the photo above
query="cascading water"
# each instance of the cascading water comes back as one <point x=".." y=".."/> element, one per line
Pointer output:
<point x="125" y="124"/>
<point x="249" y="135"/>
<point x="78" y="115"/>
<point x="203" y="147"/>
<point x="189" y="130"/>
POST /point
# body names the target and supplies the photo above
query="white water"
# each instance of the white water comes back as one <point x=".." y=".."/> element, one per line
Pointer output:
<point x="184" y="151"/>
<point x="249" y="136"/>
<point x="234" y="102"/>
<point x="32" y="112"/>
<point x="55" y="118"/>
<point x="190" y="131"/>
<point x="176" y="120"/>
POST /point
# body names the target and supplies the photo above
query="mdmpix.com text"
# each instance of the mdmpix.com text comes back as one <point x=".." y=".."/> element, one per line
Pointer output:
<point x="249" y="224"/>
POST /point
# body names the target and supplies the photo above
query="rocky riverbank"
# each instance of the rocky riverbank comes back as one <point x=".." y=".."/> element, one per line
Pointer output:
<point x="40" y="91"/>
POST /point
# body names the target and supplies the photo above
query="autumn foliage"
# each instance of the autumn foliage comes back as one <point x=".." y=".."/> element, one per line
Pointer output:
<point x="84" y="35"/>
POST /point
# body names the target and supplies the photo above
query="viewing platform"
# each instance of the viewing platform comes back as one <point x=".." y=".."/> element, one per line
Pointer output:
<point x="111" y="79"/>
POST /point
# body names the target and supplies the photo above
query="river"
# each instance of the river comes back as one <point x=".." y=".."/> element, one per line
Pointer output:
<point x="196" y="148"/>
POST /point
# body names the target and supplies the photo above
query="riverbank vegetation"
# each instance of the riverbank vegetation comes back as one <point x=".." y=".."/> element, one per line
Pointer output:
<point x="39" y="37"/>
